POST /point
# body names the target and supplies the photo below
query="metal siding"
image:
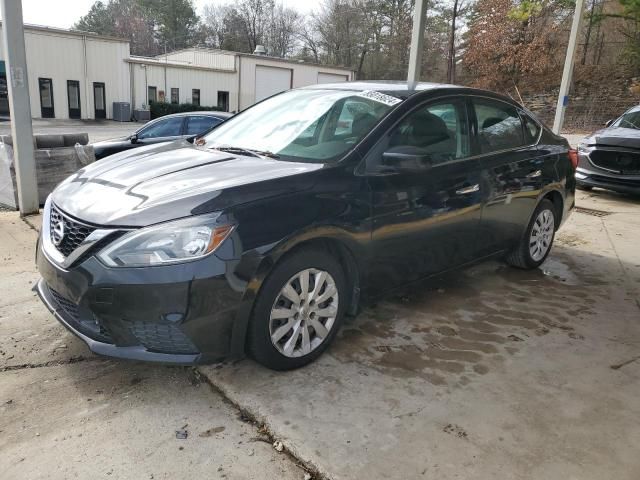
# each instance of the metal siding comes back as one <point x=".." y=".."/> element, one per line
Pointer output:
<point x="60" y="57"/>
<point x="202" y="58"/>
<point x="271" y="80"/>
<point x="324" y="77"/>
<point x="106" y="63"/>
<point x="303" y="75"/>
<point x="208" y="82"/>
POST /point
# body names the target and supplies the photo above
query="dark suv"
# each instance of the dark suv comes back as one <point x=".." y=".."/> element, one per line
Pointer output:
<point x="279" y="222"/>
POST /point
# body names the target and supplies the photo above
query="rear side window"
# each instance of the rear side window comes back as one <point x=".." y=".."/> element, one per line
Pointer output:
<point x="531" y="129"/>
<point x="200" y="124"/>
<point x="499" y="126"/>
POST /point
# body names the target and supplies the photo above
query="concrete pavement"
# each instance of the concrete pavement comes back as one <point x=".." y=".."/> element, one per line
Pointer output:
<point x="65" y="413"/>
<point x="488" y="373"/>
<point x="491" y="373"/>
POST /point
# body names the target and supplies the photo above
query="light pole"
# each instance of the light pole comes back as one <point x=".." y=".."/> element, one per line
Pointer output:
<point x="567" y="72"/>
<point x="417" y="39"/>
<point x="19" y="106"/>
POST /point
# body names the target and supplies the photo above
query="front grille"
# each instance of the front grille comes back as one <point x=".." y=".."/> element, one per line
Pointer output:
<point x="622" y="162"/>
<point x="66" y="234"/>
<point x="87" y="323"/>
<point x="69" y="307"/>
<point x="162" y="337"/>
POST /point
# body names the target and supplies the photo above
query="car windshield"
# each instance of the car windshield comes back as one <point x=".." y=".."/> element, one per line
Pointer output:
<point x="629" y="120"/>
<point x="304" y="125"/>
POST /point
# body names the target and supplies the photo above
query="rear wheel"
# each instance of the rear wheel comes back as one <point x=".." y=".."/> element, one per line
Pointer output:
<point x="538" y="238"/>
<point x="298" y="310"/>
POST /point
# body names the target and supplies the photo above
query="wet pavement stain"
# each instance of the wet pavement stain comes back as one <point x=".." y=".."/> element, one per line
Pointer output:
<point x="451" y="330"/>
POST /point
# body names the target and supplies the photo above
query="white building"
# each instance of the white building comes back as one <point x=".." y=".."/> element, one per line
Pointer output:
<point x="75" y="74"/>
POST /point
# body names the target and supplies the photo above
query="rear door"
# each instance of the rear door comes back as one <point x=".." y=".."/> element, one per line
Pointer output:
<point x="426" y="195"/>
<point x="514" y="170"/>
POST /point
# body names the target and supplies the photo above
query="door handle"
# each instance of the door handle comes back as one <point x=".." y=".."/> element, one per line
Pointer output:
<point x="470" y="189"/>
<point x="536" y="174"/>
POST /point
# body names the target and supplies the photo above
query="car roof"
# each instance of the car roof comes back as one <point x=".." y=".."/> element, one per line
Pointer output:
<point x="404" y="89"/>
<point x="211" y="113"/>
<point x="384" y="85"/>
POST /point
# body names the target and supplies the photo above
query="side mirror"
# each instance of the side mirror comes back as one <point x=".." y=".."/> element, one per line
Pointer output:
<point x="134" y="138"/>
<point x="609" y="123"/>
<point x="406" y="161"/>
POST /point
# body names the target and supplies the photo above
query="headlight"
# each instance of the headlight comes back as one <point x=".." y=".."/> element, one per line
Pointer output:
<point x="168" y="243"/>
<point x="583" y="148"/>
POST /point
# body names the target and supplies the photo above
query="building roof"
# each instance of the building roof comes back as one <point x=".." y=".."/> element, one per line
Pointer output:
<point x="174" y="64"/>
<point x="75" y="33"/>
<point x="263" y="57"/>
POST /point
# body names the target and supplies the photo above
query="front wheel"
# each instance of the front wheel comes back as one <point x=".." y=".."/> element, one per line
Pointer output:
<point x="298" y="310"/>
<point x="536" y="243"/>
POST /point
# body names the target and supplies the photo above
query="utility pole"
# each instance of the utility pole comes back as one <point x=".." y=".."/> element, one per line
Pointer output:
<point x="19" y="106"/>
<point x="567" y="73"/>
<point x="417" y="39"/>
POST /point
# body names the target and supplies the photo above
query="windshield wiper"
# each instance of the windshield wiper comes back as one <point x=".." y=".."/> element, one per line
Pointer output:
<point x="246" y="151"/>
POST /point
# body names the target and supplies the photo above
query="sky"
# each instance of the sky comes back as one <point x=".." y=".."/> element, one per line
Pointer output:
<point x="64" y="13"/>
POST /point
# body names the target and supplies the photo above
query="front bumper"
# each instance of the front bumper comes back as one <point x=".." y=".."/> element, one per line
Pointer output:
<point x="136" y="352"/>
<point x="180" y="314"/>
<point x="610" y="181"/>
<point x="590" y="174"/>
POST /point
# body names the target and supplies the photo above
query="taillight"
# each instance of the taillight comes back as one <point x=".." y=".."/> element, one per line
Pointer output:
<point x="573" y="156"/>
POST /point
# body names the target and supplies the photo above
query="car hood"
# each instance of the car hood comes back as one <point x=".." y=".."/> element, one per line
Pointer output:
<point x="172" y="180"/>
<point x="615" y="137"/>
<point x="110" y="142"/>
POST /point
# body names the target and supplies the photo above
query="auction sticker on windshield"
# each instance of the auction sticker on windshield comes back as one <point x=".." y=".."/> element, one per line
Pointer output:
<point x="379" y="97"/>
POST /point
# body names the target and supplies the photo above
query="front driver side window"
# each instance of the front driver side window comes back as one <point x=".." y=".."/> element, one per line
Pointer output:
<point x="438" y="132"/>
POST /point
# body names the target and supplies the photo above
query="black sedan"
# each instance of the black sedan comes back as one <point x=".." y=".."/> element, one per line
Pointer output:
<point x="610" y="158"/>
<point x="163" y="129"/>
<point x="290" y="215"/>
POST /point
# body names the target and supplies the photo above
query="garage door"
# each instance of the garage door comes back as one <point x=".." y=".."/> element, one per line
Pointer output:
<point x="331" y="78"/>
<point x="271" y="80"/>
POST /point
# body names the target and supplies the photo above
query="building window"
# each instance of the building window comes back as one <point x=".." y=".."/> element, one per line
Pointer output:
<point x="175" y="95"/>
<point x="195" y="96"/>
<point x="152" y="95"/>
<point x="223" y="101"/>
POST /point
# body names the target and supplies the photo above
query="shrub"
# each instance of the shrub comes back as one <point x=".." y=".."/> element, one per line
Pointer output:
<point x="160" y="109"/>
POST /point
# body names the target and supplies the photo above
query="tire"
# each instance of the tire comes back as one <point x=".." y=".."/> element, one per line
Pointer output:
<point x="264" y="341"/>
<point x="523" y="256"/>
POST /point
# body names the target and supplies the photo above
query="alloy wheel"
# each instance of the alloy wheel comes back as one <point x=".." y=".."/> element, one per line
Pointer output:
<point x="304" y="312"/>
<point x="541" y="235"/>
